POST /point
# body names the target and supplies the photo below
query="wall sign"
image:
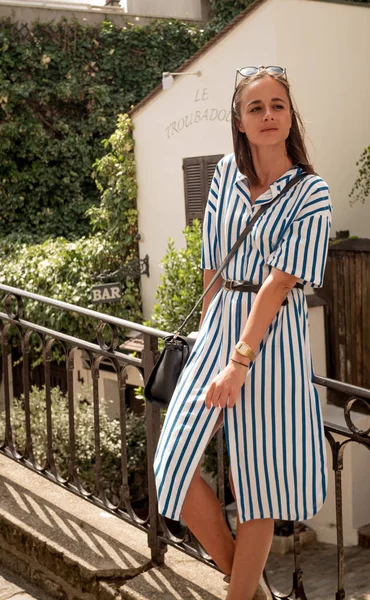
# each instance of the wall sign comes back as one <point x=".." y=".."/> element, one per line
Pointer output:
<point x="107" y="292"/>
<point x="198" y="115"/>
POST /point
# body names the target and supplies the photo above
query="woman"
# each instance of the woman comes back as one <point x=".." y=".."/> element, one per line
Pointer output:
<point x="260" y="389"/>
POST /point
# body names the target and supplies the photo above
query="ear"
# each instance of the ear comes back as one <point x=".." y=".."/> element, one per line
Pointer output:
<point x="240" y="127"/>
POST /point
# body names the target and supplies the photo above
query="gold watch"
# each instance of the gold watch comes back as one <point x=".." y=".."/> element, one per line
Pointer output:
<point x="244" y="349"/>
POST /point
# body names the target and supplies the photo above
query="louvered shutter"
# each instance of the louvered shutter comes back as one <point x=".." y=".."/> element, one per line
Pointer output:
<point x="198" y="174"/>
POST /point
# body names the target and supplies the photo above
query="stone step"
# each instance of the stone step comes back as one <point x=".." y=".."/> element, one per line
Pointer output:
<point x="60" y="542"/>
<point x="74" y="550"/>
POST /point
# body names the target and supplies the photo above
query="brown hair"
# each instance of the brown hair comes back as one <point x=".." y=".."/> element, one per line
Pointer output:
<point x="295" y="145"/>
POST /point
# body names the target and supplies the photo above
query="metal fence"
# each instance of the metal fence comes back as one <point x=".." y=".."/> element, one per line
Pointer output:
<point x="159" y="530"/>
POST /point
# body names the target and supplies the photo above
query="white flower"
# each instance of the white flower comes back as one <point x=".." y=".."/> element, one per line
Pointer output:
<point x="45" y="60"/>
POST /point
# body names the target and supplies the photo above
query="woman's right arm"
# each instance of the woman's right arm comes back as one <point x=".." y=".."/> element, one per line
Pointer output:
<point x="207" y="277"/>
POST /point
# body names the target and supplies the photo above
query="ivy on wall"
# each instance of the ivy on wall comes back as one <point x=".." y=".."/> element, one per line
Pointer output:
<point x="61" y="88"/>
<point x="222" y="12"/>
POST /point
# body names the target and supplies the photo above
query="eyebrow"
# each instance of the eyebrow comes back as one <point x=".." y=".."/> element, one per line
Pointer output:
<point x="260" y="101"/>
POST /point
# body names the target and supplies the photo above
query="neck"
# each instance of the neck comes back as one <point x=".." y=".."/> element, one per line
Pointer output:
<point x="270" y="163"/>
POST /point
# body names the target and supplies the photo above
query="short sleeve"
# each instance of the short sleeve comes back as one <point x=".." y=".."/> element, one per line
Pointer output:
<point x="303" y="248"/>
<point x="210" y="247"/>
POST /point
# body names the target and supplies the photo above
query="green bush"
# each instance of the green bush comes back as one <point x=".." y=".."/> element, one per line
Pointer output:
<point x="181" y="283"/>
<point x="110" y="440"/>
<point x="66" y="270"/>
<point x="115" y="176"/>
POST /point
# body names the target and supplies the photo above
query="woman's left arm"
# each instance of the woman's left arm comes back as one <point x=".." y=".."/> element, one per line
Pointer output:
<point x="225" y="388"/>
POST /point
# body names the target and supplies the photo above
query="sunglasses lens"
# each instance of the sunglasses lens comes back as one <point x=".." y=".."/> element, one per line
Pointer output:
<point x="248" y="71"/>
<point x="275" y="70"/>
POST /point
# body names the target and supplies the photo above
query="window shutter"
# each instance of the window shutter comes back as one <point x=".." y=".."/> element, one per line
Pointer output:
<point x="198" y="174"/>
<point x="193" y="182"/>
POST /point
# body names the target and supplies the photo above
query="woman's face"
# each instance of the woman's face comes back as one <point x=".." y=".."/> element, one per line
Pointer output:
<point x="265" y="114"/>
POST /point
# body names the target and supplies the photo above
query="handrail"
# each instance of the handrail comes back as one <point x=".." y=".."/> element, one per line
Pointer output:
<point x="85" y="311"/>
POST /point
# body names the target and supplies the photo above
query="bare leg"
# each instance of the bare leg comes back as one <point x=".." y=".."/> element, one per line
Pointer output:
<point x="246" y="559"/>
<point x="253" y="542"/>
<point x="203" y="515"/>
<point x="262" y="588"/>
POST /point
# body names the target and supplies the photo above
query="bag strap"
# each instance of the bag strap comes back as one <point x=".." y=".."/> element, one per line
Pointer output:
<point x="237" y="244"/>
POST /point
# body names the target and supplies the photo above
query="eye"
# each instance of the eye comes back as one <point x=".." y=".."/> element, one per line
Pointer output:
<point x="255" y="109"/>
<point x="278" y="106"/>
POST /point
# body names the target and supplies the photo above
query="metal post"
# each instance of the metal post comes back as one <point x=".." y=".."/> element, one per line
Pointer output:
<point x="158" y="548"/>
<point x="340" y="594"/>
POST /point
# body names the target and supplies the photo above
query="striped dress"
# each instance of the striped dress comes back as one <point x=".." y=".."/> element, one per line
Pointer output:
<point x="274" y="433"/>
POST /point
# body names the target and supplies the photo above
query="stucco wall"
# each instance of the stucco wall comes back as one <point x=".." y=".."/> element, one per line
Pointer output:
<point x="92" y="16"/>
<point x="326" y="49"/>
<point x="139" y="12"/>
<point x="190" y="9"/>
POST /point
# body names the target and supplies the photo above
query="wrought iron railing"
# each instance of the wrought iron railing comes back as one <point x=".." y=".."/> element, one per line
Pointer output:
<point x="159" y="530"/>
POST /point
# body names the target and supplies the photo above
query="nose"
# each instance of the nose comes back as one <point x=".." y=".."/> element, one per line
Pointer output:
<point x="268" y="116"/>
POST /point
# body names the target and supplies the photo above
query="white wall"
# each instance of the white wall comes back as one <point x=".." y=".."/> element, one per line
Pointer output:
<point x="326" y="47"/>
<point x="29" y="11"/>
<point x="181" y="9"/>
<point x="328" y="71"/>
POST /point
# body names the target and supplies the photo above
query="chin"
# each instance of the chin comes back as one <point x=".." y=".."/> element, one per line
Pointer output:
<point x="272" y="138"/>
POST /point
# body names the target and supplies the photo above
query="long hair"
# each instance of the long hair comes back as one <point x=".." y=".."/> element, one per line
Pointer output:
<point x="295" y="146"/>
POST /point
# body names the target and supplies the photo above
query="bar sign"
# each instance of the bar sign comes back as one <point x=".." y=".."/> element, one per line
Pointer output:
<point x="107" y="292"/>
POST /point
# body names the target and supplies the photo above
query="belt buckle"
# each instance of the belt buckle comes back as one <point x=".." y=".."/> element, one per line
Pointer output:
<point x="228" y="284"/>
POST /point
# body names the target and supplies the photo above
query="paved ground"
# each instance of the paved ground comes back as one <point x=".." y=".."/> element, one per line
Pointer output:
<point x="319" y="564"/>
<point x="11" y="589"/>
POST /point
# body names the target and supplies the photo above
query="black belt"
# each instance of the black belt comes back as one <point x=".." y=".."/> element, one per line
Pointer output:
<point x="246" y="286"/>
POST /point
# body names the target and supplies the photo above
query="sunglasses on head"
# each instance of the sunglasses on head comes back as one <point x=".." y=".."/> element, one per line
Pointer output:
<point x="249" y="71"/>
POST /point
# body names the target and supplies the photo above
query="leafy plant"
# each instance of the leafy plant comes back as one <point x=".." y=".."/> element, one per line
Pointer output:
<point x="222" y="12"/>
<point x="116" y="181"/>
<point x="62" y="87"/>
<point x="110" y="440"/>
<point x="181" y="283"/>
<point x="361" y="187"/>
<point x="65" y="270"/>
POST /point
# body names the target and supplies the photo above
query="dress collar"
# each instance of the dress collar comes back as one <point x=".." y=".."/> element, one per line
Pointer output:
<point x="275" y="188"/>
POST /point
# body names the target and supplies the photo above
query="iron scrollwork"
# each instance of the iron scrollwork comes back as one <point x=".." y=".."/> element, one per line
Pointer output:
<point x="133" y="269"/>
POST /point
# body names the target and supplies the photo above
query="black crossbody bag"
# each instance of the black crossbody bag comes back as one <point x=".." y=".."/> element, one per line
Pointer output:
<point x="163" y="379"/>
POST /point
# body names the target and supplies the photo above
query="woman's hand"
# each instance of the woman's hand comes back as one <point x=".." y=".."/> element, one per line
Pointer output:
<point x="224" y="389"/>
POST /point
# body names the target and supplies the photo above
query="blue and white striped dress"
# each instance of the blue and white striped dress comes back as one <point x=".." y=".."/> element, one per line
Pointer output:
<point x="274" y="433"/>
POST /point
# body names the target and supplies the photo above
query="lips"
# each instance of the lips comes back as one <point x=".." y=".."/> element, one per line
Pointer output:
<point x="269" y="129"/>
